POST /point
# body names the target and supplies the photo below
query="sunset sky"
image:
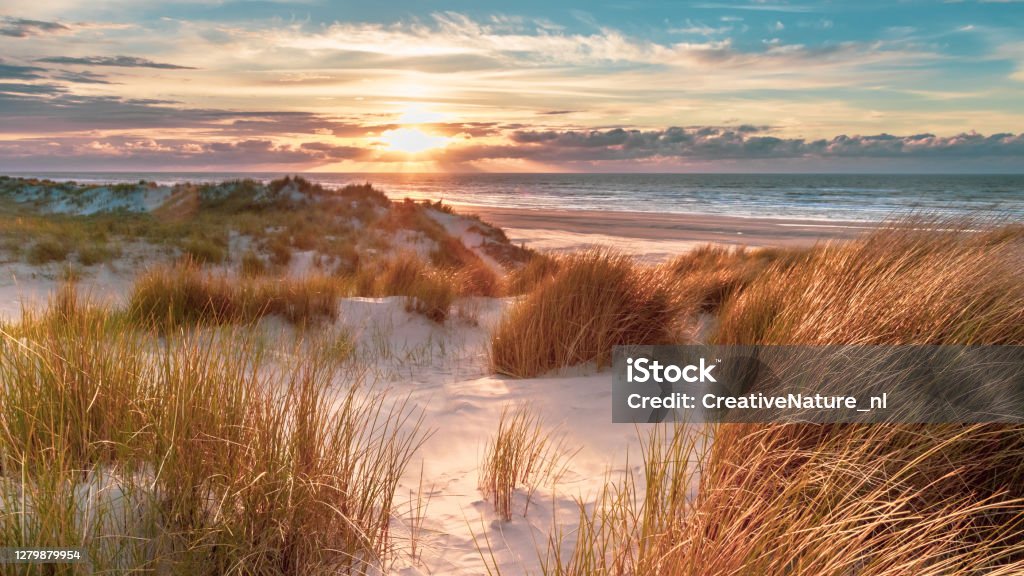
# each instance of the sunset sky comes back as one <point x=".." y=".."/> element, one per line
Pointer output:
<point x="408" y="85"/>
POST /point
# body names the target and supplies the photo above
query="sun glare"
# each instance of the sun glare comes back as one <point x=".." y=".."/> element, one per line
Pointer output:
<point x="411" y="140"/>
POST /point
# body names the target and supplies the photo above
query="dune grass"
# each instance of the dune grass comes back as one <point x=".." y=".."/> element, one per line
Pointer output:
<point x="836" y="499"/>
<point x="192" y="454"/>
<point x="521" y="453"/>
<point x="708" y="275"/>
<point x="917" y="282"/>
<point x="596" y="300"/>
<point x="184" y="294"/>
<point x="537" y="268"/>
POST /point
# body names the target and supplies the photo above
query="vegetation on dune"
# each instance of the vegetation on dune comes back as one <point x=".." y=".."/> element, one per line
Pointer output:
<point x="916" y="282"/>
<point x="522" y="453"/>
<point x="192" y="454"/>
<point x="708" y="275"/>
<point x="537" y="268"/>
<point x="833" y="499"/>
<point x="185" y="295"/>
<point x="596" y="300"/>
<point x="354" y="233"/>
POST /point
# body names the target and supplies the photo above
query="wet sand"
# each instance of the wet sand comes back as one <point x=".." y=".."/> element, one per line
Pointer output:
<point x="657" y="236"/>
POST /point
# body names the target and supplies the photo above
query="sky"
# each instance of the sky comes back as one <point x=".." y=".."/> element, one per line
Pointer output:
<point x="525" y="86"/>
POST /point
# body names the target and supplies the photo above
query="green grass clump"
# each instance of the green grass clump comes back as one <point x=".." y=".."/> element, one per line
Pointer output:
<point x="252" y="265"/>
<point x="47" y="249"/>
<point x="432" y="295"/>
<point x="427" y="291"/>
<point x="205" y="250"/>
<point x="97" y="253"/>
<point x="596" y="300"/>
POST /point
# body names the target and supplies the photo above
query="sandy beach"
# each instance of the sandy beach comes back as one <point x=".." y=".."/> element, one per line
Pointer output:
<point x="657" y="236"/>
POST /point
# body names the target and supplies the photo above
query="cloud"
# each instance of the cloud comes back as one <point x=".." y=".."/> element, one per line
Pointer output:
<point x="121" y="61"/>
<point x="11" y="88"/>
<point x="61" y="112"/>
<point x="744" y="142"/>
<point x="14" y="72"/>
<point x="82" y="77"/>
<point x="634" y="149"/>
<point x="154" y="153"/>
<point x="22" y="28"/>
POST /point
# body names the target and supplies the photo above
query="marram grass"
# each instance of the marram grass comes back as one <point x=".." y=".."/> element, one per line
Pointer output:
<point x="880" y="500"/>
<point x="192" y="454"/>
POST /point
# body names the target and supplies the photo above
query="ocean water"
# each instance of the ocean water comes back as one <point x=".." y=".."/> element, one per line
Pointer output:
<point x="802" y="196"/>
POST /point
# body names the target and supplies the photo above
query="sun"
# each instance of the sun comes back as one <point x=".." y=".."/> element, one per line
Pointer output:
<point x="412" y="140"/>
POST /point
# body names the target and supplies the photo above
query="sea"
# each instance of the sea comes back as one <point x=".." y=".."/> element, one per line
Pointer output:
<point x="846" y="197"/>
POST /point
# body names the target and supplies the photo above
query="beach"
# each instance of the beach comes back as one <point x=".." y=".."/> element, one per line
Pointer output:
<point x="436" y="311"/>
<point x="655" y="237"/>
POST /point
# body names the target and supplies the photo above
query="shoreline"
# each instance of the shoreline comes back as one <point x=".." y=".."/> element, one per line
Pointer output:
<point x="656" y="236"/>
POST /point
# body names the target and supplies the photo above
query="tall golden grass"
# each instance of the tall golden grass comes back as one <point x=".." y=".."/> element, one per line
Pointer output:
<point x="596" y="300"/>
<point x="916" y="282"/>
<point x="185" y="294"/>
<point x="837" y="499"/>
<point x="521" y="453"/>
<point x="537" y="268"/>
<point x="707" y="276"/>
<point x="427" y="290"/>
<point x="192" y="454"/>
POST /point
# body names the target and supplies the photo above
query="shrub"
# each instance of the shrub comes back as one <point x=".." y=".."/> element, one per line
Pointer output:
<point x="597" y="299"/>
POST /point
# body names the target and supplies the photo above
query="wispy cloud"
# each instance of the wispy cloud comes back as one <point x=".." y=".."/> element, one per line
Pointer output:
<point x="119" y="61"/>
<point x="15" y="72"/>
<point x="23" y="28"/>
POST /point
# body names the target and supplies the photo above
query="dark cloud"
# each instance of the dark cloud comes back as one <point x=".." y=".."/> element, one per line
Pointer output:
<point x="737" y="143"/>
<point x="120" y="61"/>
<point x="22" y="28"/>
<point x="156" y="153"/>
<point x="14" y="72"/>
<point x="10" y="89"/>
<point x="60" y="112"/>
<point x="83" y="77"/>
<point x="710" y="146"/>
